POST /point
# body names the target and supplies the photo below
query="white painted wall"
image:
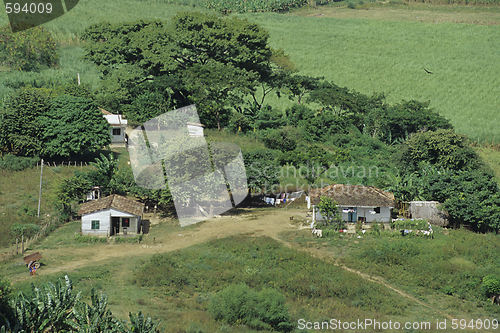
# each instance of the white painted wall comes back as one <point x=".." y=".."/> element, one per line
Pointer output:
<point x="104" y="219"/>
<point x="384" y="216"/>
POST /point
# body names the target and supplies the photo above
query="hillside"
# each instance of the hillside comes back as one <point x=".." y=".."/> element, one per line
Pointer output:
<point x="363" y="289"/>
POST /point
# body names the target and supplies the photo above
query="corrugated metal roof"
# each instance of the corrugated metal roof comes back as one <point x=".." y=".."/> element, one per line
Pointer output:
<point x="115" y="119"/>
<point x="113" y="201"/>
<point x="354" y="196"/>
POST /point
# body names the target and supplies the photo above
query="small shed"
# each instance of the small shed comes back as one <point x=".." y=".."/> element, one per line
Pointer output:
<point x="118" y="126"/>
<point x="112" y="215"/>
<point x="428" y="210"/>
<point x="357" y="202"/>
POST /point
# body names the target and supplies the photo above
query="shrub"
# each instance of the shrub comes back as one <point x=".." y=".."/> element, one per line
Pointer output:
<point x="491" y="285"/>
<point x="227" y="6"/>
<point x="30" y="50"/>
<point x="89" y="239"/>
<point x="135" y="239"/>
<point x="260" y="310"/>
<point x="26" y="230"/>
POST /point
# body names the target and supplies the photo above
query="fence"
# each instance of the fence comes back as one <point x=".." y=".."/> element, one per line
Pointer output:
<point x="25" y="244"/>
<point x="62" y="163"/>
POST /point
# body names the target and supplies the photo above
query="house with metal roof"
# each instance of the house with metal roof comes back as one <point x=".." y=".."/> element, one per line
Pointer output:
<point x="118" y="126"/>
<point x="112" y="215"/>
<point x="357" y="202"/>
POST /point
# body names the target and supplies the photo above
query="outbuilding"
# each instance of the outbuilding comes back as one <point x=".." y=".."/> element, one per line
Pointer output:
<point x="112" y="215"/>
<point x="357" y="202"/>
<point x="118" y="126"/>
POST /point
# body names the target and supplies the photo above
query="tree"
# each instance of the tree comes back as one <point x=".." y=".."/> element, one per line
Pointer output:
<point x="330" y="212"/>
<point x="21" y="130"/>
<point x="261" y="169"/>
<point x="317" y="159"/>
<point x="71" y="190"/>
<point x="442" y="148"/>
<point x="215" y="87"/>
<point x="398" y="122"/>
<point x="214" y="60"/>
<point x="48" y="309"/>
<point x="53" y="308"/>
<point x="71" y="126"/>
<point x="6" y="313"/>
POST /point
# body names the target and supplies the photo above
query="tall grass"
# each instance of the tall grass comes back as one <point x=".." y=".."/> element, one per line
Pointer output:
<point x="452" y="263"/>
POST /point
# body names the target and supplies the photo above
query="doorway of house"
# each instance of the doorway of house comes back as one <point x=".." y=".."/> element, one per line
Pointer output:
<point x="115" y="225"/>
<point x="352" y="215"/>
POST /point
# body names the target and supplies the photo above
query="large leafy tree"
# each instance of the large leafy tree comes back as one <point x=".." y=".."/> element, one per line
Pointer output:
<point x="21" y="131"/>
<point x="71" y="126"/>
<point x="443" y="148"/>
<point x="196" y="57"/>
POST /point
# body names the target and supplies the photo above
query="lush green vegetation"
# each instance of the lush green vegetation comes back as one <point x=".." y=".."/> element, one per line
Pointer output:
<point x="54" y="308"/>
<point x="29" y="50"/>
<point x="373" y="56"/>
<point x="227" y="6"/>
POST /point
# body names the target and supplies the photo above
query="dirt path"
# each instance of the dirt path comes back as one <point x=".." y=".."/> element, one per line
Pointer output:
<point x="270" y="224"/>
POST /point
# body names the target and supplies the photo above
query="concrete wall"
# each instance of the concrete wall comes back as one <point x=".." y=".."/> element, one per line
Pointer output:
<point x="428" y="210"/>
<point x="104" y="219"/>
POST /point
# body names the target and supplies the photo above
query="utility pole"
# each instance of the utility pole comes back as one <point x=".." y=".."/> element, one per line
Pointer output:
<point x="40" y="194"/>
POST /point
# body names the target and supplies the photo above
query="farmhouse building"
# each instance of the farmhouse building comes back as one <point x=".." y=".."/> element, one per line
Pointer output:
<point x="118" y="125"/>
<point x="356" y="202"/>
<point x="112" y="215"/>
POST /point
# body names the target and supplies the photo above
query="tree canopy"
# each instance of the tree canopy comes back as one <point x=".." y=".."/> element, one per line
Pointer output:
<point x="71" y="126"/>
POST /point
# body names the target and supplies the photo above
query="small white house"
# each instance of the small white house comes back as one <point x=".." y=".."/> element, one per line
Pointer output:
<point x="356" y="202"/>
<point x="118" y="126"/>
<point x="112" y="215"/>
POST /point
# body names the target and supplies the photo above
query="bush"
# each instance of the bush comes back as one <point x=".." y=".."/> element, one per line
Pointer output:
<point x="135" y="239"/>
<point x="26" y="230"/>
<point x="491" y="285"/>
<point x="227" y="6"/>
<point x="29" y="50"/>
<point x="259" y="310"/>
<point x="17" y="163"/>
<point x="89" y="239"/>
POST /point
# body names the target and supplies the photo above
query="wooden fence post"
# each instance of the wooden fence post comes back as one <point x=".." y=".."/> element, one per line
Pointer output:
<point x="17" y="245"/>
<point x="22" y="244"/>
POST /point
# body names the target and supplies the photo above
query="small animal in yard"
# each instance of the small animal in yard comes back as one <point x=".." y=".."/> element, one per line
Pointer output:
<point x="291" y="218"/>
